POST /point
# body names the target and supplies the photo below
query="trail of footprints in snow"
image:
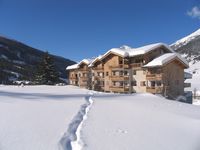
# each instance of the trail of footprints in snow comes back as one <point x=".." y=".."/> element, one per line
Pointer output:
<point x="71" y="139"/>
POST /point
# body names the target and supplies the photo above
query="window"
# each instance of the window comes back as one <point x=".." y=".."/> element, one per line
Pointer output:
<point x="102" y="74"/>
<point x="98" y="73"/>
<point x="120" y="61"/>
<point x="134" y="83"/>
<point x="107" y="73"/>
<point x="125" y="73"/>
<point x="114" y="73"/>
<point x="158" y="83"/>
<point x="153" y="83"/>
<point x="126" y="83"/>
<point x="143" y="83"/>
<point x="134" y="72"/>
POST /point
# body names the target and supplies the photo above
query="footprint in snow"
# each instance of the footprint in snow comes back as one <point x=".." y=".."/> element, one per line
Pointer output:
<point x="121" y="131"/>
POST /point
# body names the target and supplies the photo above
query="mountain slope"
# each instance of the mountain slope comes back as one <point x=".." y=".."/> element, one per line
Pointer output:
<point x="189" y="46"/>
<point x="19" y="61"/>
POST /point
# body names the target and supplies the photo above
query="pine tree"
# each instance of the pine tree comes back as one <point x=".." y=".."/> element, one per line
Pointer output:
<point x="46" y="72"/>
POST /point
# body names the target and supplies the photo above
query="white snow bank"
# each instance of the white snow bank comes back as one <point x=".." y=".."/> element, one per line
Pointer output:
<point x="141" y="122"/>
<point x="36" y="117"/>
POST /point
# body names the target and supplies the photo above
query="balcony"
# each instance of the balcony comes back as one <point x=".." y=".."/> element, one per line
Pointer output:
<point x="154" y="89"/>
<point x="121" y="66"/>
<point x="84" y="78"/>
<point x="97" y="68"/>
<point x="99" y="78"/>
<point x="136" y="65"/>
<point x="187" y="85"/>
<point x="119" y="78"/>
<point x="73" y="78"/>
<point x="83" y="84"/>
<point x="120" y="89"/>
<point x="154" y="76"/>
<point x="83" y="70"/>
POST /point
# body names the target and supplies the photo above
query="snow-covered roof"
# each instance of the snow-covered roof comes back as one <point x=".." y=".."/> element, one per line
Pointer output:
<point x="147" y="48"/>
<point x="122" y="51"/>
<point x="96" y="59"/>
<point x="126" y="51"/>
<point x="86" y="61"/>
<point x="165" y="58"/>
<point x="75" y="66"/>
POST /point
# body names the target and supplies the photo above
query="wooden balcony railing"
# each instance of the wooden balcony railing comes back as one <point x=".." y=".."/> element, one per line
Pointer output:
<point x="97" y="68"/>
<point x="73" y="78"/>
<point x="136" y="65"/>
<point x="119" y="78"/>
<point x="99" y="77"/>
<point x="83" y="69"/>
<point x="120" y="66"/>
<point x="83" y="84"/>
<point x="119" y="89"/>
<point x="84" y="78"/>
<point x="154" y="76"/>
<point x="154" y="89"/>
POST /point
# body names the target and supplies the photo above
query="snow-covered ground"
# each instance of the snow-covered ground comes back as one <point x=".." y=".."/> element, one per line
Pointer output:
<point x="196" y="101"/>
<point x="141" y="122"/>
<point x="51" y="117"/>
<point x="36" y="117"/>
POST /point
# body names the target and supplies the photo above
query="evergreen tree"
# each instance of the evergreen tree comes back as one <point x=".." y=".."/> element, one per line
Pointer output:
<point x="46" y="72"/>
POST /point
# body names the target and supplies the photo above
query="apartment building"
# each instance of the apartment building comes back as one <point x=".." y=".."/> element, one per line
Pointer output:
<point x="154" y="68"/>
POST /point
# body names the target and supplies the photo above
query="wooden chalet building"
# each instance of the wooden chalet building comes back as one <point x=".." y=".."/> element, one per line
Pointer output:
<point x="154" y="68"/>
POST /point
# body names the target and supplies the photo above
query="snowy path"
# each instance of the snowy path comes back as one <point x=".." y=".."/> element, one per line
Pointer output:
<point x="71" y="140"/>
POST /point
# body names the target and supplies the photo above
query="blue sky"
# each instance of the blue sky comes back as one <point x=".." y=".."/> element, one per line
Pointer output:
<point x="78" y="29"/>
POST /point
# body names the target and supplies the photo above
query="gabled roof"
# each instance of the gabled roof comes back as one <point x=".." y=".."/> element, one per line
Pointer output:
<point x="86" y="61"/>
<point x="148" y="48"/>
<point x="95" y="60"/>
<point x="165" y="58"/>
<point x="76" y="66"/>
<point x="122" y="51"/>
<point x="126" y="51"/>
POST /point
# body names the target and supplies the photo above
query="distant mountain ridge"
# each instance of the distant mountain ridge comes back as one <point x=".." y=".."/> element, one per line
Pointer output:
<point x="18" y="61"/>
<point x="189" y="46"/>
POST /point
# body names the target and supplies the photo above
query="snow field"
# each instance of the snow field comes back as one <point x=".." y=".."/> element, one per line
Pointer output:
<point x="35" y="118"/>
<point x="141" y="122"/>
<point x="70" y="118"/>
